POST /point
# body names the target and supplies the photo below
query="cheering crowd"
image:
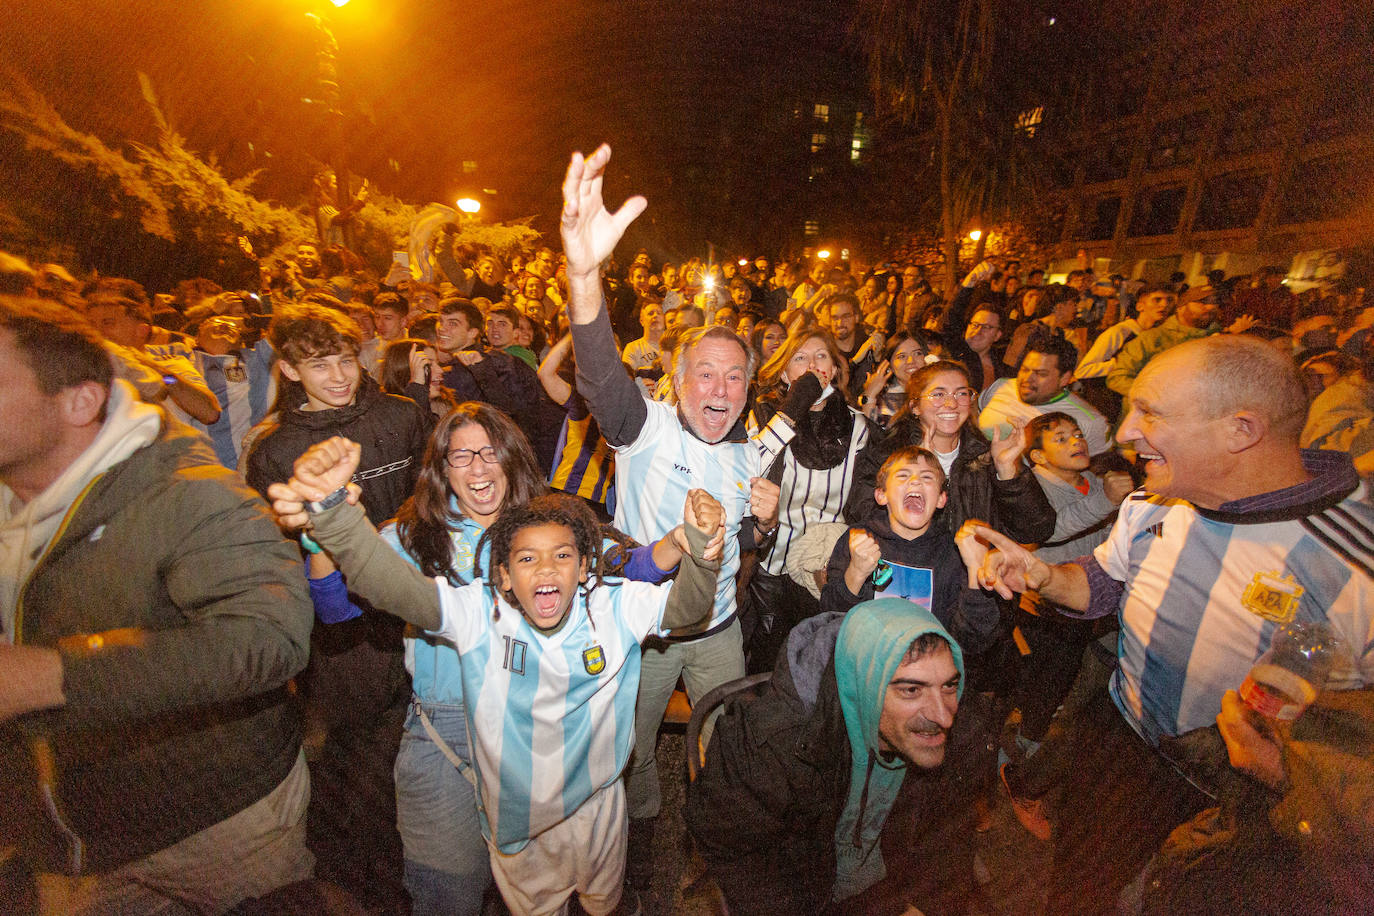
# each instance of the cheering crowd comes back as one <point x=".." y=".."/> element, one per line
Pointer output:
<point x="1011" y="543"/>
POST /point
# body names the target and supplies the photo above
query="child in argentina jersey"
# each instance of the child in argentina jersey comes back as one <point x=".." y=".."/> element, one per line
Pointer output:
<point x="551" y="715"/>
<point x="549" y="659"/>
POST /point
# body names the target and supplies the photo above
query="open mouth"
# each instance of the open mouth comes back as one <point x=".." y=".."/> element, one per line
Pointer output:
<point x="715" y="414"/>
<point x="482" y="492"/>
<point x="914" y="503"/>
<point x="1151" y="460"/>
<point x="546" y="600"/>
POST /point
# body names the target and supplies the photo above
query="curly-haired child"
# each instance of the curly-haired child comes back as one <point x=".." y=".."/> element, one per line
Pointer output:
<point x="550" y="657"/>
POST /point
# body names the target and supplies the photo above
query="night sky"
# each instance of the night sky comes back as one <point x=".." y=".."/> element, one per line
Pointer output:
<point x="513" y="85"/>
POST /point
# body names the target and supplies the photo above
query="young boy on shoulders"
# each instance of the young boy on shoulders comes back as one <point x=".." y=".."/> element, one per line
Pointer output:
<point x="904" y="554"/>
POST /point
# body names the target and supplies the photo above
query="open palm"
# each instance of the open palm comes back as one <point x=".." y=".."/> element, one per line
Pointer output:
<point x="590" y="232"/>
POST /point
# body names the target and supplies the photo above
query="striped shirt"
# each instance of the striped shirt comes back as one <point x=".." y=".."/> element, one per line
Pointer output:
<point x="1206" y="589"/>
<point x="654" y="472"/>
<point x="551" y="715"/>
<point x="242" y="382"/>
<point x="585" y="465"/>
<point x="178" y="359"/>
<point x="811" y="496"/>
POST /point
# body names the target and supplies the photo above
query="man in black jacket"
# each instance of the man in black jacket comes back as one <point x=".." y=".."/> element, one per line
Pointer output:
<point x="495" y="377"/>
<point x="357" y="681"/>
<point x="847" y="786"/>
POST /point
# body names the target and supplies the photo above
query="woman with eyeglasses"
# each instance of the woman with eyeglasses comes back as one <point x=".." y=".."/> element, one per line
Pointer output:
<point x="985" y="480"/>
<point x="476" y="464"/>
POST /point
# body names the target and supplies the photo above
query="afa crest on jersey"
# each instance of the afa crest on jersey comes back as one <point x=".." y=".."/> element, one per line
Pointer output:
<point x="1273" y="596"/>
<point x="594" y="660"/>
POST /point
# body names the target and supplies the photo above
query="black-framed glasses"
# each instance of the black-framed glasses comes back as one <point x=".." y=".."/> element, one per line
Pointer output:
<point x="462" y="457"/>
<point x="958" y="395"/>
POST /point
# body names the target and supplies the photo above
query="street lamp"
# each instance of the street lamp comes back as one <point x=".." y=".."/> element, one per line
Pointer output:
<point x="975" y="235"/>
<point x="467" y="204"/>
<point x="339" y="3"/>
<point x="823" y="254"/>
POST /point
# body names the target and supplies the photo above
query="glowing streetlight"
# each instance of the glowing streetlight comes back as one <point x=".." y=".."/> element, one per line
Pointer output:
<point x="466" y="204"/>
<point x="975" y="235"/>
<point x="339" y="3"/>
<point x="743" y="262"/>
<point x="823" y="254"/>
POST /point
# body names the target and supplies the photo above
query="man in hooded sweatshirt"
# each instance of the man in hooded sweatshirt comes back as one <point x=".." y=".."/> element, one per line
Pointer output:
<point x="847" y="785"/>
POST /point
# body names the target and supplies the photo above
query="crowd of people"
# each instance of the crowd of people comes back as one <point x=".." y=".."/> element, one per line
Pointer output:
<point x="1020" y="537"/>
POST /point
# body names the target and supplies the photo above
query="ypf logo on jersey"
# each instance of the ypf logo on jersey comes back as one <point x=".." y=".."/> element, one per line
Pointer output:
<point x="594" y="660"/>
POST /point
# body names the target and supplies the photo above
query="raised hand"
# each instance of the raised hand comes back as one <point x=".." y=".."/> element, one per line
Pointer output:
<point x="996" y="562"/>
<point x="590" y="232"/>
<point x="418" y="361"/>
<point x="1242" y="324"/>
<point x="763" y="501"/>
<point x="706" y="515"/>
<point x="864" y="552"/>
<point x="288" y="507"/>
<point x="1117" y="485"/>
<point x="1007" y="450"/>
<point x="702" y="511"/>
<point x="325" y="467"/>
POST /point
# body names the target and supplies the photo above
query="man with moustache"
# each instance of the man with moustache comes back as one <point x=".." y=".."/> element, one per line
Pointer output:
<point x="847" y="785"/>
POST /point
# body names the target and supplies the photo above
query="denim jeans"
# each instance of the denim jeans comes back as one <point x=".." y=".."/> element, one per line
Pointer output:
<point x="447" y="869"/>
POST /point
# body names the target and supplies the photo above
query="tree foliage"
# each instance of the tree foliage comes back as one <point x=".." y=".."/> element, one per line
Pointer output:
<point x="953" y="81"/>
<point x="160" y="212"/>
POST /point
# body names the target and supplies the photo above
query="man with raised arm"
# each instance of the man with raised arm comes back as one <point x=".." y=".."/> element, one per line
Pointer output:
<point x="662" y="451"/>
<point x="1237" y="530"/>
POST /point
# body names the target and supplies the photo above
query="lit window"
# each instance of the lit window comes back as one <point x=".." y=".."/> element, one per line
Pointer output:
<point x="818" y="142"/>
<point x="813" y="228"/>
<point x="859" y="142"/>
<point x="816" y="169"/>
<point x="822" y="113"/>
<point x="469" y="166"/>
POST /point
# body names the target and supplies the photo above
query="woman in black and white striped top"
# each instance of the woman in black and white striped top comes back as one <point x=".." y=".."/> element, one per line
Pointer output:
<point x="815" y="473"/>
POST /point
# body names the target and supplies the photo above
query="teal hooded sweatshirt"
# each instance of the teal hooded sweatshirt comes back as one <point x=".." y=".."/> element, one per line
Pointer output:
<point x="873" y="639"/>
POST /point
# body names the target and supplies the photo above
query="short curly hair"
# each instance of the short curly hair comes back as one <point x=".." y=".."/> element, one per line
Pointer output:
<point x="549" y="509"/>
<point x="307" y="331"/>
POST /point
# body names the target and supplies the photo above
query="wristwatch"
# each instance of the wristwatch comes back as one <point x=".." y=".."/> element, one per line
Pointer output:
<point x="316" y="506"/>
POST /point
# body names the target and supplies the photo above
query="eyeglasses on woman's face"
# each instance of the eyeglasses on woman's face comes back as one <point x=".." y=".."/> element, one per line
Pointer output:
<point x="462" y="457"/>
<point x="942" y="395"/>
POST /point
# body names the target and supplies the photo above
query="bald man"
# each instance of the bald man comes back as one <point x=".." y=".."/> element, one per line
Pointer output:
<point x="1236" y="530"/>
